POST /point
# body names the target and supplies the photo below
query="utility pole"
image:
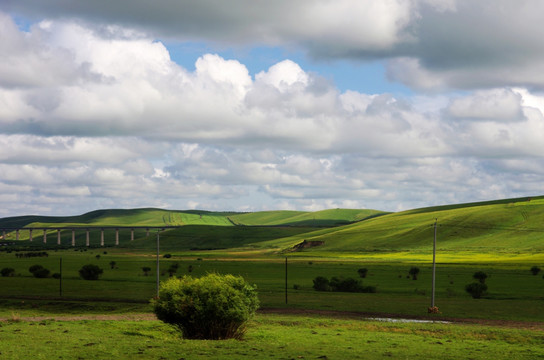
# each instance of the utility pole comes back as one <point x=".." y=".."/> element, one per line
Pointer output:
<point x="434" y="263"/>
<point x="60" y="277"/>
<point x="158" y="269"/>
<point x="286" y="280"/>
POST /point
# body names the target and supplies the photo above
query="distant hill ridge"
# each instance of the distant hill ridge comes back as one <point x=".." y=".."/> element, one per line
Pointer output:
<point x="160" y="217"/>
<point x="507" y="226"/>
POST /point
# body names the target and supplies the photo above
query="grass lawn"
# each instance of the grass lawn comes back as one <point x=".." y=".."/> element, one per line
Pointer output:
<point x="269" y="337"/>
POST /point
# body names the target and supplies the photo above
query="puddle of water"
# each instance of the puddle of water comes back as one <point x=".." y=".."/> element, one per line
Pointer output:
<point x="410" y="321"/>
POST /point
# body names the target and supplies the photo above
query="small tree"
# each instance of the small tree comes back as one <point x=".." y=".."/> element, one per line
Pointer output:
<point x="535" y="270"/>
<point x="41" y="273"/>
<point x="347" y="285"/>
<point x="211" y="307"/>
<point x="112" y="264"/>
<point x="362" y="272"/>
<point x="7" y="272"/>
<point x="476" y="290"/>
<point x="321" y="283"/>
<point x="34" y="268"/>
<point x="173" y="269"/>
<point x="90" y="272"/>
<point x="414" y="271"/>
<point x="146" y="270"/>
<point x="480" y="276"/>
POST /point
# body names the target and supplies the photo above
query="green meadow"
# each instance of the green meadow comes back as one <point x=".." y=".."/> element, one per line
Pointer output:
<point x="282" y="252"/>
<point x="268" y="337"/>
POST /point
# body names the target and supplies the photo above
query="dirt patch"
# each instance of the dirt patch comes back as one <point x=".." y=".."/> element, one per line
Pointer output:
<point x="307" y="244"/>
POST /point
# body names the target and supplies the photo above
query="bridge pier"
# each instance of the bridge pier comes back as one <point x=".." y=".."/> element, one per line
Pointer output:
<point x="8" y="231"/>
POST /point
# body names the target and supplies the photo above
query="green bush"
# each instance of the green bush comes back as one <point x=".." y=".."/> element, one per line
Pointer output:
<point x="90" y="272"/>
<point x="34" y="268"/>
<point x="480" y="276"/>
<point x="173" y="269"/>
<point x="414" y="271"/>
<point x="211" y="307"/>
<point x="535" y="270"/>
<point x="7" y="272"/>
<point x="342" y="285"/>
<point x="346" y="285"/>
<point x="321" y="284"/>
<point x="362" y="272"/>
<point x="39" y="271"/>
<point x="476" y="290"/>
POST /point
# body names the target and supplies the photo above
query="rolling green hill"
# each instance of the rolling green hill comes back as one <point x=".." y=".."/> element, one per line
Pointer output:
<point x="512" y="226"/>
<point x="120" y="217"/>
<point x="159" y="217"/>
<point x="499" y="229"/>
<point x="332" y="217"/>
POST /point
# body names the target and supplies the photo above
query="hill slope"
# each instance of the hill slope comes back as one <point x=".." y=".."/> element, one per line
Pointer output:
<point x="160" y="217"/>
<point x="506" y="226"/>
<point x="510" y="226"/>
<point x="331" y="217"/>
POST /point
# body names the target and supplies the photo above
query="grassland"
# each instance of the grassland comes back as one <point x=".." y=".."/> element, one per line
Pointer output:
<point x="504" y="231"/>
<point x="269" y="337"/>
<point x="503" y="238"/>
<point x="514" y="294"/>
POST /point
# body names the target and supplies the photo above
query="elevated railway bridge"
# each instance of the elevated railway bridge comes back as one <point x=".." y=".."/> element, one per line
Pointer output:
<point x="33" y="230"/>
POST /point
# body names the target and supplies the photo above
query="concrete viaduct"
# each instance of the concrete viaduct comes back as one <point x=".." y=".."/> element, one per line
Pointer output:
<point x="87" y="229"/>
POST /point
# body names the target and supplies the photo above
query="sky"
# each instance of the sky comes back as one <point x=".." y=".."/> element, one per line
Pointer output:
<point x="252" y="105"/>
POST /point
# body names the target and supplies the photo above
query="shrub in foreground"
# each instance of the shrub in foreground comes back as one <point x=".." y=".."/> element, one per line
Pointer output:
<point x="211" y="307"/>
<point x="90" y="272"/>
